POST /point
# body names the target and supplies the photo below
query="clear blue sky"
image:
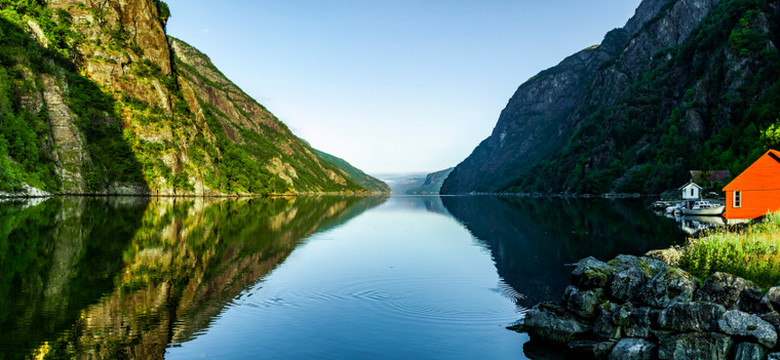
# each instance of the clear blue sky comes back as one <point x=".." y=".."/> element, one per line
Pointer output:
<point x="391" y="86"/>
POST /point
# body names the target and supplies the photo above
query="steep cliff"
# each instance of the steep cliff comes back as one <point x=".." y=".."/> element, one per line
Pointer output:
<point x="97" y="99"/>
<point x="685" y="84"/>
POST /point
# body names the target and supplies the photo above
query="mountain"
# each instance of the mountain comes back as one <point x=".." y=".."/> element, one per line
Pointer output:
<point x="432" y="183"/>
<point x="96" y="99"/>
<point x="400" y="183"/>
<point x="685" y="84"/>
<point x="368" y="182"/>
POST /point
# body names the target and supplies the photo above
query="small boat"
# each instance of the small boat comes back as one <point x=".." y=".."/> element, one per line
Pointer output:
<point x="702" y="207"/>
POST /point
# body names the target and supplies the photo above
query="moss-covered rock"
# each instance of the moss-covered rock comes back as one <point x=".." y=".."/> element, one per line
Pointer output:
<point x="671" y="285"/>
<point x="692" y="346"/>
<point x="591" y="273"/>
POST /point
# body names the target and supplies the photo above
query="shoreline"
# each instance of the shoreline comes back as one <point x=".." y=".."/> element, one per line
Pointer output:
<point x="643" y="307"/>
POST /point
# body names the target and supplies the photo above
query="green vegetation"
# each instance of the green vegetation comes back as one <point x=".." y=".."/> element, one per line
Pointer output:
<point x="369" y="182"/>
<point x="140" y="265"/>
<point x="137" y="128"/>
<point x="254" y="153"/>
<point x="64" y="236"/>
<point x="25" y="151"/>
<point x="709" y="103"/>
<point x="752" y="253"/>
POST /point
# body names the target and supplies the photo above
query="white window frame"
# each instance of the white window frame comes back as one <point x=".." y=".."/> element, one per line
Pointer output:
<point x="736" y="200"/>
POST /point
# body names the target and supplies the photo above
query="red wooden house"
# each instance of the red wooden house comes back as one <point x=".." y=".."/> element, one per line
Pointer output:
<point x="756" y="191"/>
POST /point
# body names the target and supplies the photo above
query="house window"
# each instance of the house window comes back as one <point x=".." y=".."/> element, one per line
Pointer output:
<point x="691" y="192"/>
<point x="737" y="199"/>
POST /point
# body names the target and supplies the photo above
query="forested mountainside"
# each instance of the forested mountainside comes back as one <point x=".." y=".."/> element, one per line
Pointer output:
<point x="686" y="84"/>
<point x="368" y="182"/>
<point x="95" y="98"/>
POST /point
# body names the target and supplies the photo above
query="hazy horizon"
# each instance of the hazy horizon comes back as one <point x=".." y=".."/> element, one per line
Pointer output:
<point x="393" y="88"/>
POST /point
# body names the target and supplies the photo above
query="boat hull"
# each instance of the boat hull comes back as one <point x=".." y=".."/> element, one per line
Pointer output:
<point x="710" y="211"/>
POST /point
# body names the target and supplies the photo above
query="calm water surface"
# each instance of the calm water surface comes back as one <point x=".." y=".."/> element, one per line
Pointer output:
<point x="279" y="278"/>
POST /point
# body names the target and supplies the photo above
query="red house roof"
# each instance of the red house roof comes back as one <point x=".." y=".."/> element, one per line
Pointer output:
<point x="764" y="174"/>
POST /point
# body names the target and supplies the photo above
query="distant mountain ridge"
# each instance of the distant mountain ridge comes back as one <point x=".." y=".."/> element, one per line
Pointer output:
<point x="432" y="183"/>
<point x="97" y="99"/>
<point x="686" y="84"/>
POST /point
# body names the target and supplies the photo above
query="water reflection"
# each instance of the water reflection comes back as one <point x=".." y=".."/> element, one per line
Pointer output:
<point x="531" y="239"/>
<point x="124" y="277"/>
<point x="128" y="278"/>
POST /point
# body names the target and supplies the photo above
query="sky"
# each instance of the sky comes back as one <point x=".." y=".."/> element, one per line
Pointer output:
<point x="391" y="86"/>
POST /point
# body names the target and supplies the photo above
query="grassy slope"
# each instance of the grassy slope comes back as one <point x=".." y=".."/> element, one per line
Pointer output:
<point x="367" y="181"/>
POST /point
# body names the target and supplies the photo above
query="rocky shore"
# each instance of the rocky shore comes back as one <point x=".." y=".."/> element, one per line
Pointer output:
<point x="642" y="308"/>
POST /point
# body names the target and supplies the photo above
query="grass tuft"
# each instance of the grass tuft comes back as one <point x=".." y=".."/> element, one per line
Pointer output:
<point x="752" y="252"/>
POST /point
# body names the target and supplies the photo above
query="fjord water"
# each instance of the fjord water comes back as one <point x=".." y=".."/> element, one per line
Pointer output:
<point x="318" y="277"/>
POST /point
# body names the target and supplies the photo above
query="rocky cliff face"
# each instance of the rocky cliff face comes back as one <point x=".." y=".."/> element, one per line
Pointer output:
<point x="595" y="122"/>
<point x="126" y="110"/>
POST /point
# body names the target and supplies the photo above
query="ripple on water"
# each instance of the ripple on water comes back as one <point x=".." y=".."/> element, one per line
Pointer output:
<point x="412" y="299"/>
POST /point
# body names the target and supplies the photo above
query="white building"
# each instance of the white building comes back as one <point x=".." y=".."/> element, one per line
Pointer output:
<point x="690" y="191"/>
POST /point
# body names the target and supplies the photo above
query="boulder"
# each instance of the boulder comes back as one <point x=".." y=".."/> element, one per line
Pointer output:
<point x="749" y="351"/>
<point x="752" y="300"/>
<point x="583" y="303"/>
<point x="631" y="274"/>
<point x="589" y="349"/>
<point x="671" y="285"/>
<point x="772" y="298"/>
<point x="591" y="273"/>
<point x="694" y="346"/>
<point x="611" y="320"/>
<point x="639" y="323"/>
<point x="552" y="324"/>
<point x="724" y="289"/>
<point x="691" y="316"/>
<point x="633" y="349"/>
<point x="738" y="323"/>
<point x="772" y="318"/>
<point x="648" y="265"/>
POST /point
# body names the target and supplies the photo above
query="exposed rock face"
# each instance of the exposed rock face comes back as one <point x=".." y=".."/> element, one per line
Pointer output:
<point x="68" y="149"/>
<point x="595" y="323"/>
<point x="139" y="22"/>
<point x="131" y="111"/>
<point x="584" y="125"/>
<point x="541" y="114"/>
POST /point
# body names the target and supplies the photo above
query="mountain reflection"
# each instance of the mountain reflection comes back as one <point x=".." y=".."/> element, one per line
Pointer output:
<point x="126" y="277"/>
<point x="531" y="239"/>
